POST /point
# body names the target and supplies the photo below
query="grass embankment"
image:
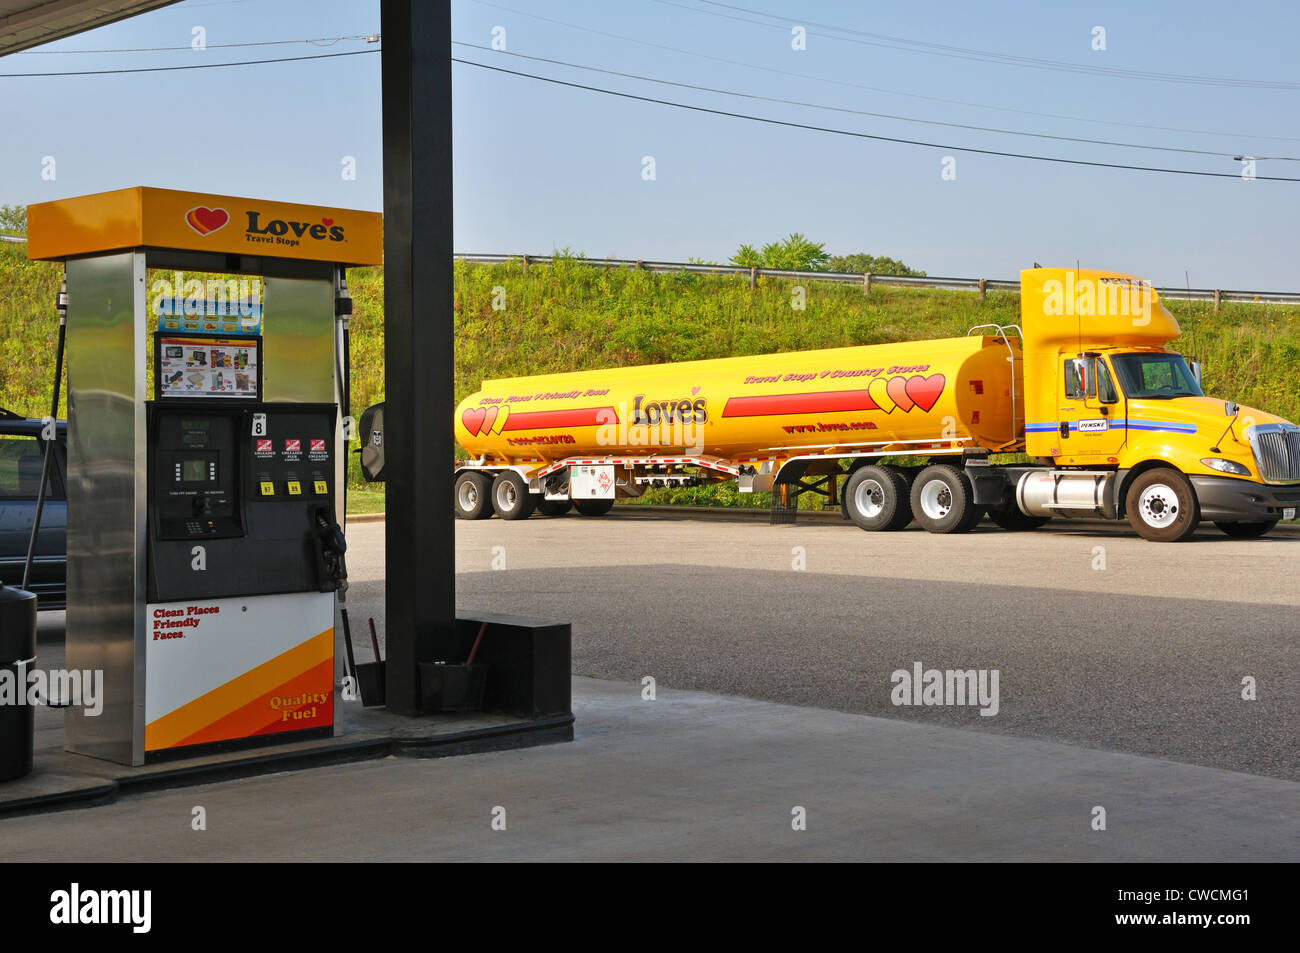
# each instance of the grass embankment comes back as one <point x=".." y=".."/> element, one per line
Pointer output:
<point x="575" y="317"/>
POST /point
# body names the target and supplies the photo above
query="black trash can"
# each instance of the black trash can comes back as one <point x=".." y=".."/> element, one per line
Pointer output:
<point x="17" y="657"/>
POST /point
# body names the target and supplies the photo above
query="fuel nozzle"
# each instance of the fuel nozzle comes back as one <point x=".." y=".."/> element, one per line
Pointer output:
<point x="331" y="567"/>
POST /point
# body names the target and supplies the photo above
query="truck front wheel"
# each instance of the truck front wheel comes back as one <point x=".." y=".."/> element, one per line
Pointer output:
<point x="876" y="499"/>
<point x="472" y="496"/>
<point x="1161" y="506"/>
<point x="510" y="496"/>
<point x="1246" y="530"/>
<point x="943" y="500"/>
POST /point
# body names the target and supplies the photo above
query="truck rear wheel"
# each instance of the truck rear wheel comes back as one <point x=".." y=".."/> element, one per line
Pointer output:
<point x="510" y="496"/>
<point x="1162" y="506"/>
<point x="1246" y="530"/>
<point x="943" y="500"/>
<point x="554" y="507"/>
<point x="593" y="507"/>
<point x="473" y="500"/>
<point x="1013" y="520"/>
<point x="876" y="499"/>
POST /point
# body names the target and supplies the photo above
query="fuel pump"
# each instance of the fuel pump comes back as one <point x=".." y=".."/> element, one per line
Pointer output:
<point x="206" y="548"/>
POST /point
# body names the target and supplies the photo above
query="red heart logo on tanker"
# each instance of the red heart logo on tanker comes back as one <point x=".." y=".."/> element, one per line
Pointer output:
<point x="206" y="220"/>
<point x="897" y="389"/>
<point x="925" y="391"/>
<point x="327" y="222"/>
<point x="488" y="420"/>
<point x="694" y="391"/>
<point x="473" y="419"/>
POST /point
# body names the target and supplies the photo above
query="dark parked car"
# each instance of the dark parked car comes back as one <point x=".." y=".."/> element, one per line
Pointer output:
<point x="21" y="457"/>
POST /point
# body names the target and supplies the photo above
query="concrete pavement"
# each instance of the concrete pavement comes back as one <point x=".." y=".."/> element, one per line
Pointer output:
<point x="692" y="776"/>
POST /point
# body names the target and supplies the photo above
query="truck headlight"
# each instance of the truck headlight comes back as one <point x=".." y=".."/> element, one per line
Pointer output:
<point x="1226" y="466"/>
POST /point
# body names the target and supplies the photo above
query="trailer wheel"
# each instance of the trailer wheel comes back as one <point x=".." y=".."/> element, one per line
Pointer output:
<point x="1013" y="520"/>
<point x="554" y="507"/>
<point x="593" y="507"/>
<point x="1246" y="530"/>
<point x="1162" y="506"/>
<point x="473" y="497"/>
<point x="510" y="496"/>
<point x="876" y="499"/>
<point x="942" y="499"/>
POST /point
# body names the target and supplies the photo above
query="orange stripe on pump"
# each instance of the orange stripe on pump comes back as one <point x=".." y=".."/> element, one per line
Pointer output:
<point x="169" y="730"/>
<point x="268" y="714"/>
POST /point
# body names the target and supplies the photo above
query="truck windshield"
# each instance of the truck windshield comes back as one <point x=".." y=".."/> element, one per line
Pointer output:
<point x="1155" y="375"/>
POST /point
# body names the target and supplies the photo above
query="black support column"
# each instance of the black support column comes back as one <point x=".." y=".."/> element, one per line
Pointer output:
<point x="420" y="598"/>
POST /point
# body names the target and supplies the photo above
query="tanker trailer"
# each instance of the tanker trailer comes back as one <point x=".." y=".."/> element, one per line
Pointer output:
<point x="1111" y="423"/>
<point x="783" y="423"/>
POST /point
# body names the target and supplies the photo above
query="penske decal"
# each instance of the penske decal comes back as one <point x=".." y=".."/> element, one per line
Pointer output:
<point x="1087" y="426"/>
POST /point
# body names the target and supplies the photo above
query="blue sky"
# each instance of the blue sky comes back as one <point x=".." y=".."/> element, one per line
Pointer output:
<point x="539" y="167"/>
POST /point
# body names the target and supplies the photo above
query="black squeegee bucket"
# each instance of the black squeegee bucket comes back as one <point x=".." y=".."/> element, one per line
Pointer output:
<point x="448" y="687"/>
<point x="371" y="680"/>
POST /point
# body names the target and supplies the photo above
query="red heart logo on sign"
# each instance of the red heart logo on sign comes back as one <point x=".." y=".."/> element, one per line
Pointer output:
<point x="925" y="391"/>
<point x="473" y="419"/>
<point x="327" y="222"/>
<point x="897" y="390"/>
<point x="694" y="391"/>
<point x="206" y="220"/>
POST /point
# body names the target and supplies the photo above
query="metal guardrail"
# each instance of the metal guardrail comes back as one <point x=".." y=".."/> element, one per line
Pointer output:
<point x="867" y="281"/>
<point x="848" y="278"/>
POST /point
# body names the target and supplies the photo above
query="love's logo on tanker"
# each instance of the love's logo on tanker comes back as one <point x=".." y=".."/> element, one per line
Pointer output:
<point x="480" y="421"/>
<point x="206" y="220"/>
<point x="904" y="393"/>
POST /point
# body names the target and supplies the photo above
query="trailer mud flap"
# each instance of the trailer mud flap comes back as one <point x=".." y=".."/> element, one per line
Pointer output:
<point x="785" y="493"/>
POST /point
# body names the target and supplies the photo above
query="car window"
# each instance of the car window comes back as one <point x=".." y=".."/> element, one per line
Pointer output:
<point x="21" y="459"/>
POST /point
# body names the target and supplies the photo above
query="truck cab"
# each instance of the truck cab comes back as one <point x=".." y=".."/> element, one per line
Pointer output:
<point x="1106" y="394"/>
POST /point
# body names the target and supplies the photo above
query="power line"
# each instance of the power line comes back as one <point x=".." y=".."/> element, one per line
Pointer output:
<point x="985" y="56"/>
<point x="167" y="69"/>
<point x="860" y="112"/>
<point x="864" y="135"/>
<point x="879" y="89"/>
<point x="322" y="41"/>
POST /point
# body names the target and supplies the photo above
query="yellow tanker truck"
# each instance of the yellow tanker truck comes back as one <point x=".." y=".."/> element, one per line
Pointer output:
<point x="1113" y="422"/>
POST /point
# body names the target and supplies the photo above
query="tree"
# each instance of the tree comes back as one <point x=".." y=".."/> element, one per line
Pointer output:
<point x="13" y="219"/>
<point x="795" y="253"/>
<point x="862" y="263"/>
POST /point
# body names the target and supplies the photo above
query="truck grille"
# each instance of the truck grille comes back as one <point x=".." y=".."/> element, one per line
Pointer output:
<point x="1277" y="451"/>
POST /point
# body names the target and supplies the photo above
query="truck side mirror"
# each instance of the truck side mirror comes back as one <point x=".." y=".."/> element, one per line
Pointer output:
<point x="1074" y="378"/>
<point x="1196" y="372"/>
<point x="1231" y="409"/>
<point x="372" y="443"/>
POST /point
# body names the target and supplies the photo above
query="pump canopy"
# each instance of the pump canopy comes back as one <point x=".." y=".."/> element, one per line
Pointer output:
<point x="142" y="217"/>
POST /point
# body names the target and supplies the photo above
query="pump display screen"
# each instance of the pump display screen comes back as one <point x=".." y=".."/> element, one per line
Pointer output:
<point x="194" y="469"/>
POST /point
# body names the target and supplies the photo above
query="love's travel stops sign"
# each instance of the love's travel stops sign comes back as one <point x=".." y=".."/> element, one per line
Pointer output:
<point x="195" y="221"/>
